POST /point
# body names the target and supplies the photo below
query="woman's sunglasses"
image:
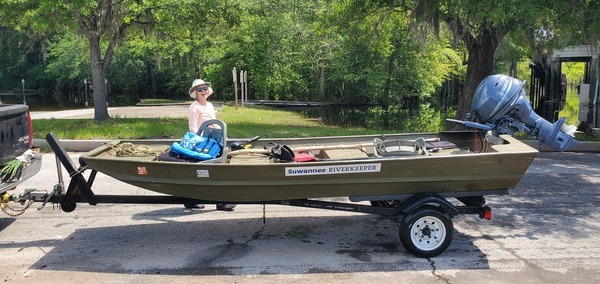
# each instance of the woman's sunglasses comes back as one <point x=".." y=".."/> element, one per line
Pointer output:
<point x="202" y="89"/>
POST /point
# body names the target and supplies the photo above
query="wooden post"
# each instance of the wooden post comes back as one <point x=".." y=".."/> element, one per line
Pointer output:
<point x="235" y="93"/>
<point x="246" y="84"/>
<point x="242" y="86"/>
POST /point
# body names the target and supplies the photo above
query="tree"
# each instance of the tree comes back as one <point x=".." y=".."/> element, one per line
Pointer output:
<point x="103" y="19"/>
<point x="381" y="49"/>
<point x="102" y="23"/>
<point x="17" y="49"/>
<point x="482" y="25"/>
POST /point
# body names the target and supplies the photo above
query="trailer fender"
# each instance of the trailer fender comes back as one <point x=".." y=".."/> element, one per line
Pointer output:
<point x="427" y="198"/>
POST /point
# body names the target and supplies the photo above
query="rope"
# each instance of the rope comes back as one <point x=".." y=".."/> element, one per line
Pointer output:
<point x="130" y="150"/>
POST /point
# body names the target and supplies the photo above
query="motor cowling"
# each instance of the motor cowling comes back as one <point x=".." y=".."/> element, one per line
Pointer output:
<point x="500" y="99"/>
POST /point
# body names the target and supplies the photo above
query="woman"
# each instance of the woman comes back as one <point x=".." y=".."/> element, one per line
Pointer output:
<point x="199" y="111"/>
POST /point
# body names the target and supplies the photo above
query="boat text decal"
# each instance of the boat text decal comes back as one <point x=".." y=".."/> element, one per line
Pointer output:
<point x="330" y="170"/>
<point x="202" y="173"/>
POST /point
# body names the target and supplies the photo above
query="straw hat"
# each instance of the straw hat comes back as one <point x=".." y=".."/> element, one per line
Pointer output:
<point x="195" y="84"/>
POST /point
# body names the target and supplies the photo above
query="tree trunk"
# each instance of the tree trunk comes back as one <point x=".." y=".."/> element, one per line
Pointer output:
<point x="153" y="83"/>
<point x="386" y="97"/>
<point x="479" y="65"/>
<point x="322" y="80"/>
<point x="99" y="87"/>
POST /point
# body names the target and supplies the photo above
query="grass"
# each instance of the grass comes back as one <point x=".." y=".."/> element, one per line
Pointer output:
<point x="87" y="129"/>
<point x="578" y="136"/>
<point x="241" y="123"/>
<point x="571" y="112"/>
<point x="571" y="109"/>
<point x="265" y="122"/>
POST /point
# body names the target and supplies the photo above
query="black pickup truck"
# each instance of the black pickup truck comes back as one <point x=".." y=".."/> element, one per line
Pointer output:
<point x="16" y="137"/>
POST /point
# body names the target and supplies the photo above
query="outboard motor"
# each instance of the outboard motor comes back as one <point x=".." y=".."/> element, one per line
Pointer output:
<point x="500" y="104"/>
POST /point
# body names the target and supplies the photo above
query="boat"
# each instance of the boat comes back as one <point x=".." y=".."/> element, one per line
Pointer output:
<point x="352" y="166"/>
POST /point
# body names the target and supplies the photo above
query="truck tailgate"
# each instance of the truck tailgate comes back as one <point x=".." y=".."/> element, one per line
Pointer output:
<point x="14" y="132"/>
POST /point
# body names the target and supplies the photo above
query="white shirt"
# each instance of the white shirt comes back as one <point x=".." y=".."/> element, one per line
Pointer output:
<point x="198" y="114"/>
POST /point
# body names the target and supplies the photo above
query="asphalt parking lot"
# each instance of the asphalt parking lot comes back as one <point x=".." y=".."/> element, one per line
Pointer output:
<point x="546" y="231"/>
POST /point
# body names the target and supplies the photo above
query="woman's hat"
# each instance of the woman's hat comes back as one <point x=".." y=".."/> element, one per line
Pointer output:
<point x="195" y="84"/>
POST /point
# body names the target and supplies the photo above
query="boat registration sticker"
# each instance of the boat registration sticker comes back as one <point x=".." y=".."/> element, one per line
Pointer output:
<point x="332" y="170"/>
<point x="202" y="173"/>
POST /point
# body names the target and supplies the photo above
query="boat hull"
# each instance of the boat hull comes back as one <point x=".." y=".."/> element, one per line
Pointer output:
<point x="500" y="167"/>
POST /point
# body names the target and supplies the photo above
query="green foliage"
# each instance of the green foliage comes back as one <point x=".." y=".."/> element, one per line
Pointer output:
<point x="382" y="52"/>
<point x="18" y="60"/>
<point x="574" y="71"/>
<point x="11" y="170"/>
<point x="127" y="75"/>
<point x="571" y="108"/>
<point x="388" y="61"/>
<point x="69" y="59"/>
<point x="584" y="137"/>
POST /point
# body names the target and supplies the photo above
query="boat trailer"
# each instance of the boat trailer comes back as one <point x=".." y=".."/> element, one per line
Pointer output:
<point x="426" y="228"/>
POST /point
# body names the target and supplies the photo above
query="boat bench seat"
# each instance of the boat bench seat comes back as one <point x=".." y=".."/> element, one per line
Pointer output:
<point x="343" y="154"/>
<point x="250" y="159"/>
<point x="141" y="159"/>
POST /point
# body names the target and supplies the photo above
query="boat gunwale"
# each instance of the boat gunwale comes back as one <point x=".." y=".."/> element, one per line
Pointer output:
<point x="512" y="146"/>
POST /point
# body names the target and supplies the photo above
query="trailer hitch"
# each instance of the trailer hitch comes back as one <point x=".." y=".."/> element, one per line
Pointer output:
<point x="58" y="190"/>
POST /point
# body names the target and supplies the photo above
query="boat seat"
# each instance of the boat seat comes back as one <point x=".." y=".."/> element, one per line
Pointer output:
<point x="216" y="129"/>
<point x="250" y="159"/>
<point x="399" y="147"/>
<point x="339" y="154"/>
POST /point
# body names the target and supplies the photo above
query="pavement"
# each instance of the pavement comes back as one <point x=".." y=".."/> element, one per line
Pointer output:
<point x="180" y="110"/>
<point x="545" y="231"/>
<point x="170" y="110"/>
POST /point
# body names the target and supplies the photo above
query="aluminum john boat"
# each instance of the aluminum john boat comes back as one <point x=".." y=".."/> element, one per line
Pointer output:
<point x="359" y="167"/>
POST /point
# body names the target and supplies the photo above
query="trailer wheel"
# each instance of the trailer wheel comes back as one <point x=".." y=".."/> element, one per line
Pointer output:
<point x="68" y="207"/>
<point x="426" y="232"/>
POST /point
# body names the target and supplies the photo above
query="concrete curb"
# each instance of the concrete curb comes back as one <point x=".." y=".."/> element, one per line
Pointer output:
<point x="88" y="145"/>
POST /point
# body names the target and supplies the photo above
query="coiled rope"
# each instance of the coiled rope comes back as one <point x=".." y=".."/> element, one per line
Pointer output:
<point x="128" y="149"/>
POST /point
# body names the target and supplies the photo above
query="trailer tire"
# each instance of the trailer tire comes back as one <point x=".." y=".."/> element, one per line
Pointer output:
<point x="68" y="207"/>
<point x="426" y="232"/>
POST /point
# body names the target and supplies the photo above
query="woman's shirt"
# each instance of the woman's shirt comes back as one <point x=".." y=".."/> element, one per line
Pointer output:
<point x="198" y="114"/>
